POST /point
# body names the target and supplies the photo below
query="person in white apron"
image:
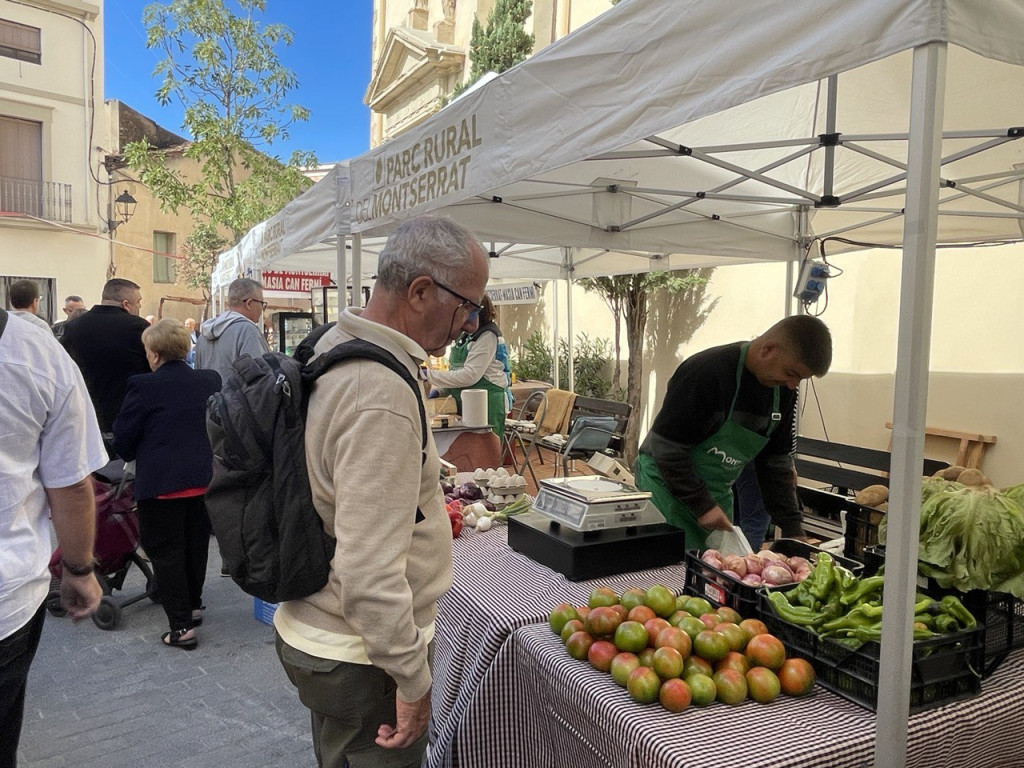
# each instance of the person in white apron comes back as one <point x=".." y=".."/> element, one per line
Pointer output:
<point x="724" y="408"/>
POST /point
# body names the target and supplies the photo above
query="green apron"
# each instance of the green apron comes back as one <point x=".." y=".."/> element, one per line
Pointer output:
<point x="718" y="461"/>
<point x="497" y="404"/>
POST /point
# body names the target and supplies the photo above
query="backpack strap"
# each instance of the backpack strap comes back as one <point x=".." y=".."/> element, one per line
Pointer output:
<point x="3" y="320"/>
<point x="360" y="348"/>
<point x="490" y="327"/>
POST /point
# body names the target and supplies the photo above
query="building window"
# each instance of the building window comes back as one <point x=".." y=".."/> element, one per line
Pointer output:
<point x="47" y="287"/>
<point x="165" y="266"/>
<point x="21" y="42"/>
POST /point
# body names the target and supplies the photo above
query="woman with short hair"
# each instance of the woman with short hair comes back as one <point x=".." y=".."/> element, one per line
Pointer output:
<point x="162" y="426"/>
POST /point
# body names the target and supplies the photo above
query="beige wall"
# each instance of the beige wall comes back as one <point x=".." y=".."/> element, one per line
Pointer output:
<point x="57" y="93"/>
<point x="977" y="363"/>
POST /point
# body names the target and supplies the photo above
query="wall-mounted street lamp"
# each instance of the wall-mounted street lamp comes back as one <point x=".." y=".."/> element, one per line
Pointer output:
<point x="124" y="207"/>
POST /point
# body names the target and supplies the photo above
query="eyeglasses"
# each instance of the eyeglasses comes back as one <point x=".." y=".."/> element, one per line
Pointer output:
<point x="476" y="308"/>
<point x="258" y="301"/>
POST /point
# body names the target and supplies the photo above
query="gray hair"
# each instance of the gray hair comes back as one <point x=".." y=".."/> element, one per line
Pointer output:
<point x="117" y="289"/>
<point x="73" y="297"/>
<point x="426" y="245"/>
<point x="241" y="289"/>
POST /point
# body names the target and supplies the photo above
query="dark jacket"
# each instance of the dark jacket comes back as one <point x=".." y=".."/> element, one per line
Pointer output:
<point x="162" y="425"/>
<point x="106" y="342"/>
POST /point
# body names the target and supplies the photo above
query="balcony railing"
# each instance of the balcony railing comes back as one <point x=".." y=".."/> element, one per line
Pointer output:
<point x="48" y="200"/>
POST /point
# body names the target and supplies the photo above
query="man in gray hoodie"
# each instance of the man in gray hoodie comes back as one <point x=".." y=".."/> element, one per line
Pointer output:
<point x="229" y="335"/>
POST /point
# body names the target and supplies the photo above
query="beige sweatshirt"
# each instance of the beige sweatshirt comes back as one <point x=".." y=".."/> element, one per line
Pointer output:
<point x="366" y="470"/>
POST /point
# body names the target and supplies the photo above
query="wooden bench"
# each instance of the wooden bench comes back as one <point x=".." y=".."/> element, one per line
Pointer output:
<point x="848" y="468"/>
<point x="971" y="445"/>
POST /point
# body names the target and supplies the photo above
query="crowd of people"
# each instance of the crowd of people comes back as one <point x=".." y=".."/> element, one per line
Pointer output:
<point x="359" y="650"/>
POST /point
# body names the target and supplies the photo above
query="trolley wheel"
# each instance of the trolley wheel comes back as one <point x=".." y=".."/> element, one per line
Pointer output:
<point x="53" y="606"/>
<point x="108" y="614"/>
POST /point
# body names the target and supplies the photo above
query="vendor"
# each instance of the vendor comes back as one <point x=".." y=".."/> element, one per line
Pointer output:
<point x="480" y="361"/>
<point x="724" y="408"/>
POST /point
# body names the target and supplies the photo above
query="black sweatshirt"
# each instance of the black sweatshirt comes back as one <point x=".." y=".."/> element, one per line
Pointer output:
<point x="696" y="405"/>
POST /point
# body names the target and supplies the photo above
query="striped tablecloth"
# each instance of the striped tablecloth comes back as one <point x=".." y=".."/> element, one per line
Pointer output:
<point x="494" y="592"/>
<point x="569" y="715"/>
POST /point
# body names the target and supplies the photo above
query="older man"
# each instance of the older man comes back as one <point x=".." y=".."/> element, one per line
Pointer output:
<point x="106" y="342"/>
<point x="358" y="650"/>
<point x="71" y="303"/>
<point x="236" y="332"/>
<point x="51" y="444"/>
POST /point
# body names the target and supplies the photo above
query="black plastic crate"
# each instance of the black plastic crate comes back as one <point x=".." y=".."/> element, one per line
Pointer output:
<point x="711" y="583"/>
<point x="946" y="668"/>
<point x="861" y="529"/>
<point x="1001" y="613"/>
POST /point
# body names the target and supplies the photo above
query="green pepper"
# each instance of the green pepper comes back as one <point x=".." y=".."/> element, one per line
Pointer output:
<point x="823" y="577"/>
<point x="794" y="614"/>
<point x="862" y="591"/>
<point x="925" y="618"/>
<point x="846" y="579"/>
<point x="946" y="624"/>
<point x="874" y="634"/>
<point x="861" y="616"/>
<point x="953" y="606"/>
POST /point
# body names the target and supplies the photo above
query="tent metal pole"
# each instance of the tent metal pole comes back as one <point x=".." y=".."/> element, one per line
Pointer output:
<point x="830" y="128"/>
<point x="910" y="402"/>
<point x="341" y="271"/>
<point x="555" y="378"/>
<point x="571" y="373"/>
<point x="356" y="299"/>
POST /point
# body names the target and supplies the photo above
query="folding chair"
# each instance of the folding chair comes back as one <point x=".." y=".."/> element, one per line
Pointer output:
<point x="518" y="431"/>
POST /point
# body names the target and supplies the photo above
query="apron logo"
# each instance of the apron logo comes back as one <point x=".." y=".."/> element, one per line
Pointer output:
<point x="726" y="458"/>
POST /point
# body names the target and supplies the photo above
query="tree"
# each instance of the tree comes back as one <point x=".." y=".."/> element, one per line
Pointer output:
<point x="628" y="298"/>
<point x="224" y="70"/>
<point x="503" y="43"/>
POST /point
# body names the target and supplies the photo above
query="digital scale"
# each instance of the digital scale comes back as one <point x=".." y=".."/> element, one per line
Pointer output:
<point x="592" y="502"/>
<point x="589" y="527"/>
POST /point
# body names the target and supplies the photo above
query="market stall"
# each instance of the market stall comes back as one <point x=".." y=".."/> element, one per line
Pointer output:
<point x="495" y="591"/>
<point x="506" y="693"/>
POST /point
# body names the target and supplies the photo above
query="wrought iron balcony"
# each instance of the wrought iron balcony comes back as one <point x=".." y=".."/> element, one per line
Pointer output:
<point x="48" y="200"/>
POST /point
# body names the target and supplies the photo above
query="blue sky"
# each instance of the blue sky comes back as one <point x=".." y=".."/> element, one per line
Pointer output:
<point x="330" y="54"/>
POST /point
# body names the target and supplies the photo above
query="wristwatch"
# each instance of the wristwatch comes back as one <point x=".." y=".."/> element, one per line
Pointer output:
<point x="79" y="570"/>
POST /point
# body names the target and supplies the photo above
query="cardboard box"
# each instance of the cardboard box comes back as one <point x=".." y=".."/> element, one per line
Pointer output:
<point x="610" y="468"/>
<point x="263" y="611"/>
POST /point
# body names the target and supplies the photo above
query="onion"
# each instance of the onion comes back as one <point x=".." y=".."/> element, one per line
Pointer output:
<point x="752" y="580"/>
<point x="713" y="552"/>
<point x="733" y="575"/>
<point x="711" y="558"/>
<point x="798" y="564"/>
<point x="754" y="566"/>
<point x="802" y="574"/>
<point x="735" y="564"/>
<point x="776" y="574"/>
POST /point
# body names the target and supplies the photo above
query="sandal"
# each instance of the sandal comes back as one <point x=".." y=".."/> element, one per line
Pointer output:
<point x="174" y="638"/>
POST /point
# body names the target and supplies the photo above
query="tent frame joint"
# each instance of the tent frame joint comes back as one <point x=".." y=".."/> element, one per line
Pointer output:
<point x="828" y="201"/>
<point x="829" y="139"/>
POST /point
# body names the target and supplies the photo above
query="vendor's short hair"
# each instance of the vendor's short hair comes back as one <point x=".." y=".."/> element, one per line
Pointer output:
<point x="241" y="289"/>
<point x="808" y="338"/>
<point x="22" y="293"/>
<point x="168" y="338"/>
<point x="118" y="289"/>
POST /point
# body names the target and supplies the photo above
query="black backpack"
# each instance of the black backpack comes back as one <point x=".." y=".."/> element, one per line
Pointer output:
<point x="271" y="538"/>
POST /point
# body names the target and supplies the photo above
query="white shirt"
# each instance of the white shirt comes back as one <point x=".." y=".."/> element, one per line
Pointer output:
<point x="31" y="317"/>
<point x="49" y="438"/>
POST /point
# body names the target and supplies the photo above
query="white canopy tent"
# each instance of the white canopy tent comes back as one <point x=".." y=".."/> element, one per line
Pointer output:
<point x="685" y="134"/>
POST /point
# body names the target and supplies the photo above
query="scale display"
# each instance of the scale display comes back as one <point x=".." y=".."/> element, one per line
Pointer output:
<point x="592" y="502"/>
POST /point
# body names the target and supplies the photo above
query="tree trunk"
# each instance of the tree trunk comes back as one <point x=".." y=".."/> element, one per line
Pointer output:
<point x="636" y="322"/>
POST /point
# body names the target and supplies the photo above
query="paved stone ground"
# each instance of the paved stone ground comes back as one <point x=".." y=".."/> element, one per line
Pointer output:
<point x="119" y="698"/>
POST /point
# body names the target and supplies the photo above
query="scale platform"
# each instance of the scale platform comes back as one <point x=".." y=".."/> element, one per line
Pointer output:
<point x="592" y="503"/>
<point x="582" y="555"/>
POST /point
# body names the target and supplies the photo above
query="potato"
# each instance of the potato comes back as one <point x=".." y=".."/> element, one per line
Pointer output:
<point x="950" y="473"/>
<point x="973" y="477"/>
<point x="872" y="496"/>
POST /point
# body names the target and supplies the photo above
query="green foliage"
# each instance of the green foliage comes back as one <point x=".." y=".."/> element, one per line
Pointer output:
<point x="224" y="70"/>
<point x="591" y="359"/>
<point x="533" y="360"/>
<point x="200" y="251"/>
<point x="503" y="43"/>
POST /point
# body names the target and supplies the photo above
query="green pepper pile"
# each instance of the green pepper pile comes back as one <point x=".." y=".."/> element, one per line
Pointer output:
<point x="838" y="605"/>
